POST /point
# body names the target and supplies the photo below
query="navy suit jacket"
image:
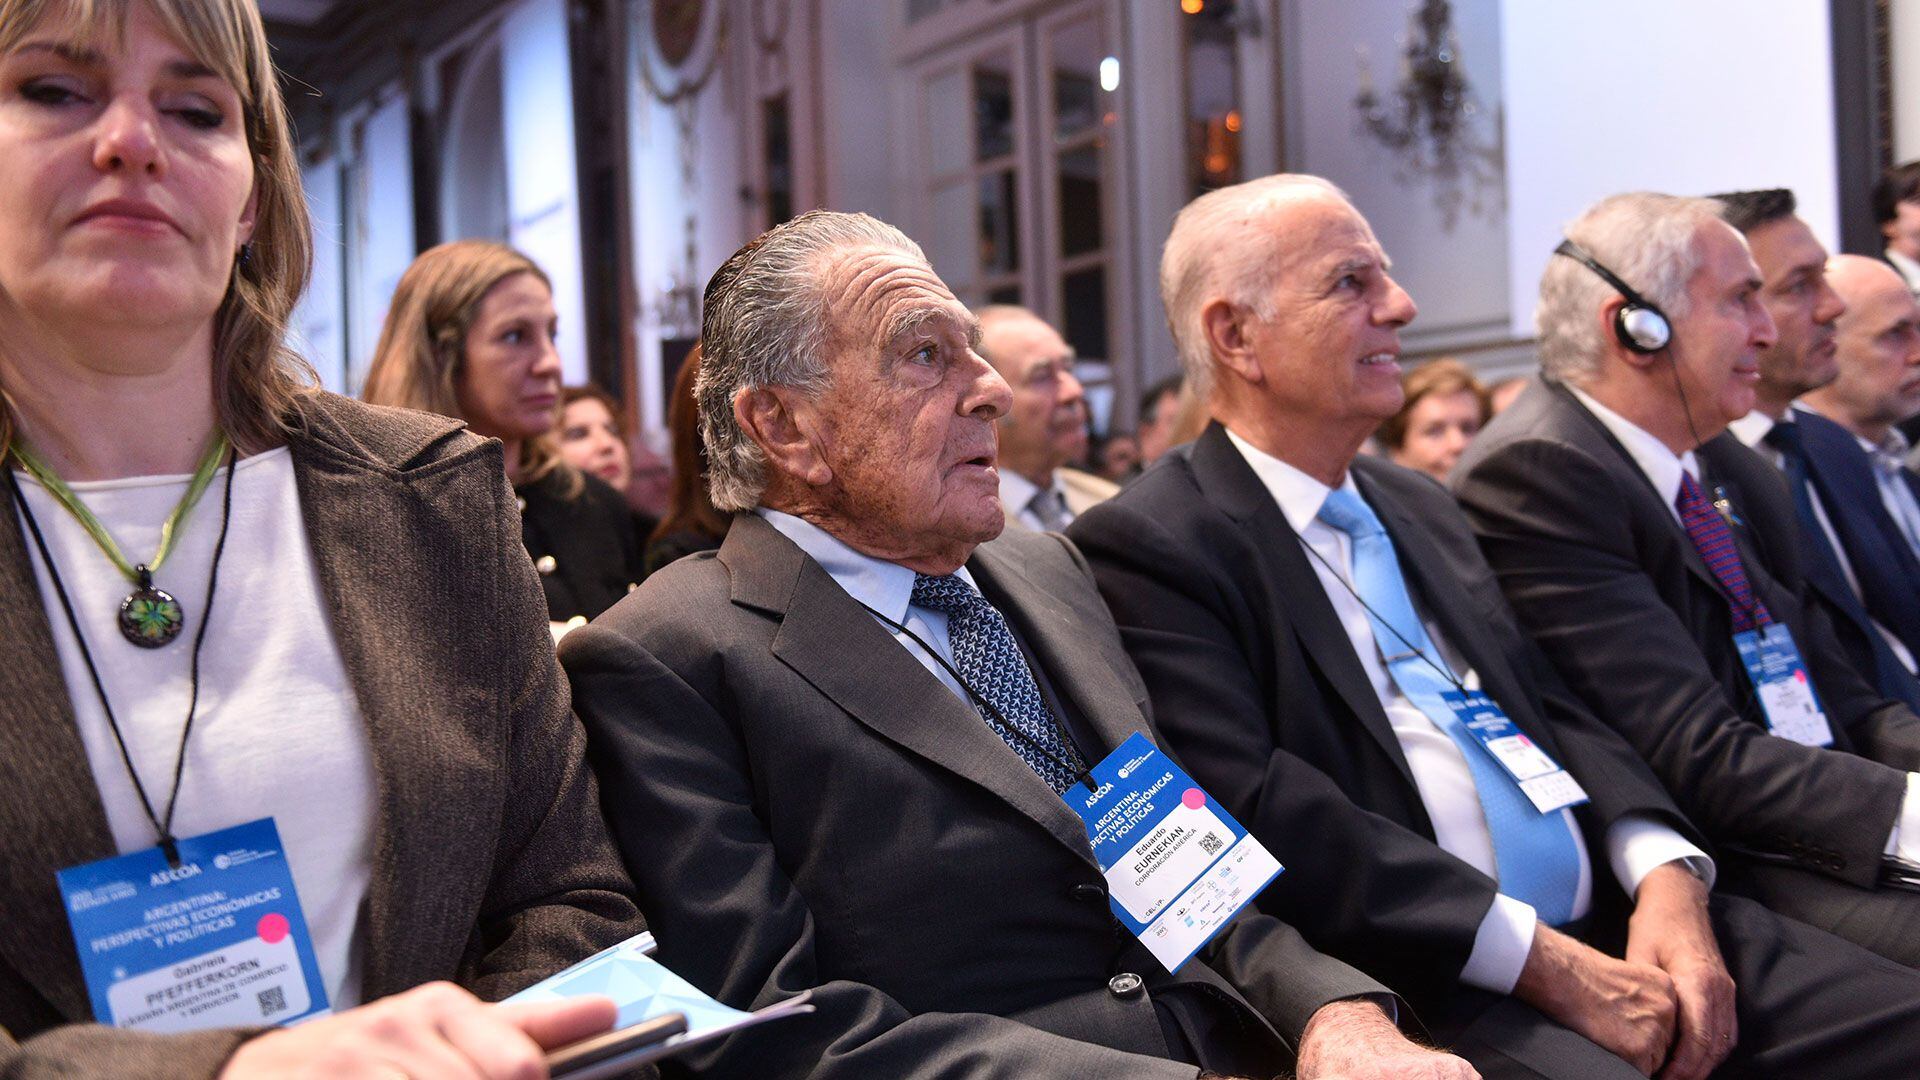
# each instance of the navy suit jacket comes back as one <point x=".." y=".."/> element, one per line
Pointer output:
<point x="1888" y="573"/>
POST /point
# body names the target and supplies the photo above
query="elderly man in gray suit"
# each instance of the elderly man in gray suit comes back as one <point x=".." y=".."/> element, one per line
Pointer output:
<point x="835" y="751"/>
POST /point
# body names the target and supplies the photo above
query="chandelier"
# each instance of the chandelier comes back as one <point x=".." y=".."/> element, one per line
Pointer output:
<point x="1432" y="120"/>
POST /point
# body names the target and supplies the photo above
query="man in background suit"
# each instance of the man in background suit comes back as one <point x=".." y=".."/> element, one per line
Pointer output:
<point x="1635" y="550"/>
<point x="1299" y="614"/>
<point x="1046" y="428"/>
<point x="835" y="751"/>
<point x="1878" y="386"/>
<point x="1867" y="587"/>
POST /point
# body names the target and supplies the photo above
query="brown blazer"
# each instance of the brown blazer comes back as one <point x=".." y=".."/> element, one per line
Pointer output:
<point x="491" y="863"/>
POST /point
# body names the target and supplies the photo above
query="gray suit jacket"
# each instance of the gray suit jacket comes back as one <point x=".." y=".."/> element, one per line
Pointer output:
<point x="803" y="805"/>
<point x="491" y="864"/>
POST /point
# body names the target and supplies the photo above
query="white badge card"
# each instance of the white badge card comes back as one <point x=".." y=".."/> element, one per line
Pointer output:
<point x="1541" y="779"/>
<point x="1780" y="679"/>
<point x="218" y="941"/>
<point x="1178" y="866"/>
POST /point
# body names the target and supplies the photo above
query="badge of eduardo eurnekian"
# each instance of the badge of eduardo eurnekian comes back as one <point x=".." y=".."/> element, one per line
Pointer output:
<point x="1178" y="866"/>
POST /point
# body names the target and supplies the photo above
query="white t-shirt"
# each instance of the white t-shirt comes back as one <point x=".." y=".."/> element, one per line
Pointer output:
<point x="277" y="732"/>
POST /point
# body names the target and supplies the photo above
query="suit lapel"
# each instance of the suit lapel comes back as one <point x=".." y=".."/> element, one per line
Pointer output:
<point x="1295" y="589"/>
<point x="52" y="818"/>
<point x="1597" y="432"/>
<point x="1058" y="639"/>
<point x="841" y="651"/>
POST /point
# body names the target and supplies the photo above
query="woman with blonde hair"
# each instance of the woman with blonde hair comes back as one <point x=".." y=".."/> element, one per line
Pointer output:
<point x="470" y="335"/>
<point x="1445" y="408"/>
<point x="283" y="729"/>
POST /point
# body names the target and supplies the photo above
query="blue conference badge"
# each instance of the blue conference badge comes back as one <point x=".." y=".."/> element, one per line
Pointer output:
<point x="1178" y="866"/>
<point x="218" y="941"/>
<point x="1540" y="778"/>
<point x="1780" y="679"/>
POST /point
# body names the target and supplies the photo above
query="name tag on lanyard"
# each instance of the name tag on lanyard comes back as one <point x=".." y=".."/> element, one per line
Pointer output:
<point x="1780" y="680"/>
<point x="218" y="941"/>
<point x="1178" y="866"/>
<point x="1541" y="779"/>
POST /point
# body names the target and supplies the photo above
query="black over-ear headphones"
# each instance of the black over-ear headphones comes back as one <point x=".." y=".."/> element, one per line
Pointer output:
<point x="1640" y="325"/>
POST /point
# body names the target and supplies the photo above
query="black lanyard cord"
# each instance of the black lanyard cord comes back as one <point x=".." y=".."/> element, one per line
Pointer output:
<point x="1072" y="764"/>
<point x="1411" y="648"/>
<point x="161" y="825"/>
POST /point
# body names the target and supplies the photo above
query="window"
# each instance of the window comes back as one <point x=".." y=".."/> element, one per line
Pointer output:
<point x="1018" y="128"/>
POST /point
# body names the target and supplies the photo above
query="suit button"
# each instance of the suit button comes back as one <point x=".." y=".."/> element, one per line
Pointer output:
<point x="546" y="564"/>
<point x="1125" y="984"/>
<point x="1092" y="894"/>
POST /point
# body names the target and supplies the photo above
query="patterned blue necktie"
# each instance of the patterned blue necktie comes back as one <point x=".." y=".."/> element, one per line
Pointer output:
<point x="1538" y="860"/>
<point x="990" y="663"/>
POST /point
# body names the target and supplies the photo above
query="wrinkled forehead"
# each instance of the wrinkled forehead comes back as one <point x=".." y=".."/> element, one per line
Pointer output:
<point x="877" y="294"/>
<point x="1318" y="232"/>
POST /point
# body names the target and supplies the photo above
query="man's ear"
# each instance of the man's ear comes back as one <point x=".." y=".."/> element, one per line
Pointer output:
<point x="1225" y="326"/>
<point x="783" y="423"/>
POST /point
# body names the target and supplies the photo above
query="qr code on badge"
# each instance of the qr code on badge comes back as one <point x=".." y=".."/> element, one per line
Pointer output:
<point x="1211" y="843"/>
<point x="272" y="1000"/>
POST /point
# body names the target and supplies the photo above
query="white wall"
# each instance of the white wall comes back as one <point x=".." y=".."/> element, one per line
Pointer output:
<point x="1905" y="42"/>
<point x="1456" y="272"/>
<point x="380" y="242"/>
<point x="661" y="197"/>
<point x="1688" y="98"/>
<point x="543" y="206"/>
<point x="319" y="330"/>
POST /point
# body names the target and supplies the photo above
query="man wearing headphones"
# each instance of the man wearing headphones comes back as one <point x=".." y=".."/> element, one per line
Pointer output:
<point x="1658" y="563"/>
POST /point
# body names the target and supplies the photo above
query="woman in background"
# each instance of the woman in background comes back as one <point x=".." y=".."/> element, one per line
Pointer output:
<point x="232" y="604"/>
<point x="595" y="439"/>
<point x="1444" y="409"/>
<point x="470" y="335"/>
<point x="692" y="524"/>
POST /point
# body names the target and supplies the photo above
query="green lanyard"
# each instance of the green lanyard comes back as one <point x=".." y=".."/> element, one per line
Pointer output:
<point x="149" y="617"/>
<point x="68" y="498"/>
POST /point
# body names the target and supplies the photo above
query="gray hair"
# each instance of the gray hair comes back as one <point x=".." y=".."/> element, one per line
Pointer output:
<point x="1218" y="251"/>
<point x="765" y="324"/>
<point x="1645" y="238"/>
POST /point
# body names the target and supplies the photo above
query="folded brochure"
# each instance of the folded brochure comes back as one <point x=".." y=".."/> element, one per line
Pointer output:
<point x="644" y="988"/>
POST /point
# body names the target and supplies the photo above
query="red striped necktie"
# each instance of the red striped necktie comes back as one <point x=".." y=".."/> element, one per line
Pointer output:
<point x="1714" y="541"/>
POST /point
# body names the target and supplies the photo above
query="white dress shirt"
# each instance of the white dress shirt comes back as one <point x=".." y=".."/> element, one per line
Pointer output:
<point x="1889" y="464"/>
<point x="1909" y="270"/>
<point x="1017" y="491"/>
<point x="1636" y="844"/>
<point x="1663" y="468"/>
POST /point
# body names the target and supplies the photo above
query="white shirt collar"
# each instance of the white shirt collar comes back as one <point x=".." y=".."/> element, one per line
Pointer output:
<point x="1660" y="464"/>
<point x="1753" y="427"/>
<point x="1300" y="496"/>
<point x="1908" y="268"/>
<point x="1016" y="491"/>
<point x="884" y="586"/>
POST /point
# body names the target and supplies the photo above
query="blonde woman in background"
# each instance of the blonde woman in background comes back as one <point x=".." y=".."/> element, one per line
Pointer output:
<point x="1445" y="408"/>
<point x="470" y="335"/>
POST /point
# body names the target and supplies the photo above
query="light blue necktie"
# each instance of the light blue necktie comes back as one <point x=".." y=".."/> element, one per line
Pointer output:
<point x="1538" y="860"/>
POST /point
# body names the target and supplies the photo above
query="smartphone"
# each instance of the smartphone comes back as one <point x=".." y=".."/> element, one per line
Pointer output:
<point x="616" y="1051"/>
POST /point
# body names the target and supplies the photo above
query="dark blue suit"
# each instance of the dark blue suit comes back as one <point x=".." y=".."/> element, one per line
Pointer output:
<point x="1889" y="575"/>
